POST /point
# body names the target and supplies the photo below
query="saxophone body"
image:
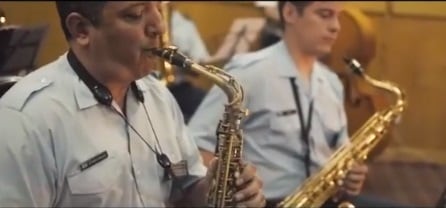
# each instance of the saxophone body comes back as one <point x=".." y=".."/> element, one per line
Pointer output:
<point x="317" y="189"/>
<point x="229" y="134"/>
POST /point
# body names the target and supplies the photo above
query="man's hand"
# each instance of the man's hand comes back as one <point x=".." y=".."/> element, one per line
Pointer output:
<point x="249" y="186"/>
<point x="352" y="183"/>
<point x="354" y="179"/>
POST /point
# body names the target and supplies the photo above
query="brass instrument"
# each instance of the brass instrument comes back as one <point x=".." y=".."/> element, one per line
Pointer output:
<point x="317" y="189"/>
<point x="229" y="135"/>
<point x="166" y="76"/>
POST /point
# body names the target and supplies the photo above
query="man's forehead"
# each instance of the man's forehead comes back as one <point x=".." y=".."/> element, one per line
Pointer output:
<point x="331" y="5"/>
<point x="129" y="4"/>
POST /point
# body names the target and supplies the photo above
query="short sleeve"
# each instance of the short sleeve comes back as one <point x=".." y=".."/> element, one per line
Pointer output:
<point x="27" y="173"/>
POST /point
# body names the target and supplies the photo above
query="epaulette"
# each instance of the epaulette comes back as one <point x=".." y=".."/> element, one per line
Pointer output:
<point x="20" y="93"/>
<point x="245" y="60"/>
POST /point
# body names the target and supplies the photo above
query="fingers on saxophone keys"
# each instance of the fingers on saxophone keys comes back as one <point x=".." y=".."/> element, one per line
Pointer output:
<point x="355" y="178"/>
<point x="248" y="173"/>
<point x="247" y="192"/>
<point x="212" y="167"/>
<point x="256" y="200"/>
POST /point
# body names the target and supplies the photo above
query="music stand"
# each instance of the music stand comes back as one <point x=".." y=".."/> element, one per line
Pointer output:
<point x="6" y="82"/>
<point x="19" y="47"/>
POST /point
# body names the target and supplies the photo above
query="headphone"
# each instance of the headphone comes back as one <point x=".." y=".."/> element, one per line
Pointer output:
<point x="100" y="92"/>
<point x="104" y="96"/>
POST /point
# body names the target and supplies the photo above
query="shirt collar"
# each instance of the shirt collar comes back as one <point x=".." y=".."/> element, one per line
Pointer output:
<point x="286" y="66"/>
<point x="83" y="95"/>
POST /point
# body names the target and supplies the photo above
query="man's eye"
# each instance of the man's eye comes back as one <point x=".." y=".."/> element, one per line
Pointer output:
<point x="326" y="14"/>
<point x="132" y="16"/>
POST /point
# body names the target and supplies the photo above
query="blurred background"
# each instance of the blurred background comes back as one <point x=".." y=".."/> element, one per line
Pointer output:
<point x="404" y="42"/>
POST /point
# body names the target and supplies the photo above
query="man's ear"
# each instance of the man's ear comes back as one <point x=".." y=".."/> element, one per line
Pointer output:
<point x="78" y="26"/>
<point x="290" y="13"/>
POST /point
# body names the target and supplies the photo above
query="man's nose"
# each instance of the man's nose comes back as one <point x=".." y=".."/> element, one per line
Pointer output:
<point x="335" y="26"/>
<point x="157" y="25"/>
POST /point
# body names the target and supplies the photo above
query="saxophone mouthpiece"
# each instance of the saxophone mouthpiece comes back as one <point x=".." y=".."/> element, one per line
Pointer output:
<point x="171" y="55"/>
<point x="354" y="65"/>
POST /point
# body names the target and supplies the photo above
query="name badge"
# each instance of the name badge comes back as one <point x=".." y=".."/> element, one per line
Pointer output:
<point x="94" y="160"/>
<point x="286" y="112"/>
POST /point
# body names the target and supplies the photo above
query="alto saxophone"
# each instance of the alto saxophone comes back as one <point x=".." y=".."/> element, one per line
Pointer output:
<point x="317" y="189"/>
<point x="229" y="135"/>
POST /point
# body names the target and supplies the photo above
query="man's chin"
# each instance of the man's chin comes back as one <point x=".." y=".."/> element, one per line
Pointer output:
<point x="323" y="51"/>
<point x="143" y="73"/>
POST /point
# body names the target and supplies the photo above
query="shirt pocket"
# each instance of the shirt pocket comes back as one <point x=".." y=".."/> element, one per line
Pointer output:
<point x="96" y="179"/>
<point x="285" y="123"/>
<point x="332" y="120"/>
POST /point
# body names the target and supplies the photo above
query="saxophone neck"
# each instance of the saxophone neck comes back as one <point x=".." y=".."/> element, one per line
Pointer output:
<point x="391" y="87"/>
<point x="222" y="79"/>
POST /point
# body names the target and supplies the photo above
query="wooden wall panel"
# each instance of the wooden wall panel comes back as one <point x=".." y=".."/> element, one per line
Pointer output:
<point x="419" y="8"/>
<point x="379" y="7"/>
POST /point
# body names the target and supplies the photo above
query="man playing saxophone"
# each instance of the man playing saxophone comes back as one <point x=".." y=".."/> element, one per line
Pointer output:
<point x="297" y="119"/>
<point x="92" y="129"/>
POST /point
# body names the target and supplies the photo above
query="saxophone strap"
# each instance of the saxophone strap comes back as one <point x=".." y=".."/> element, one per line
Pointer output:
<point x="305" y="128"/>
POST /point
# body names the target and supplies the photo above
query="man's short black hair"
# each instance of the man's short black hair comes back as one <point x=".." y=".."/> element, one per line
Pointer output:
<point x="91" y="10"/>
<point x="300" y="6"/>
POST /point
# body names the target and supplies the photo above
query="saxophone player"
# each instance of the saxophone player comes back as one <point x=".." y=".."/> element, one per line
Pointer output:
<point x="92" y="129"/>
<point x="297" y="118"/>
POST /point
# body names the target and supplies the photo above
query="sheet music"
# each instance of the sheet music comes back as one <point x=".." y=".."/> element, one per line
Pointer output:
<point x="20" y="46"/>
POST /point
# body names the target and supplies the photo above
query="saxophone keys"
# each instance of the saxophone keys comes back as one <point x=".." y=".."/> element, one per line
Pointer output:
<point x="341" y="174"/>
<point x="346" y="204"/>
<point x="364" y="158"/>
<point x="350" y="164"/>
<point x="339" y="182"/>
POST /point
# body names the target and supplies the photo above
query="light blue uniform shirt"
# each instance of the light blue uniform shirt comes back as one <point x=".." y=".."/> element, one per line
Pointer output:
<point x="272" y="137"/>
<point x="50" y="123"/>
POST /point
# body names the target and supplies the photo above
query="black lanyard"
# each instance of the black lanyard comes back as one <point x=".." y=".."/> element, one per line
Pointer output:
<point x="305" y="129"/>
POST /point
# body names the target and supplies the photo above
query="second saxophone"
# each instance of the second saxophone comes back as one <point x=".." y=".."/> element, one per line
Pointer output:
<point x="229" y="134"/>
<point x="320" y="187"/>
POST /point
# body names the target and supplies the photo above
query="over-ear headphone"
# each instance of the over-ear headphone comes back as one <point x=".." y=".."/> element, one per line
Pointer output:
<point x="100" y="92"/>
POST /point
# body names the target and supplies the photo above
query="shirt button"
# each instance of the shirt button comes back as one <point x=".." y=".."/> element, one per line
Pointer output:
<point x="43" y="80"/>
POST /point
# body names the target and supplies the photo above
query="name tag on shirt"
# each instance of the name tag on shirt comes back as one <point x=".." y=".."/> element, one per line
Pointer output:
<point x="94" y="160"/>
<point x="286" y="112"/>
